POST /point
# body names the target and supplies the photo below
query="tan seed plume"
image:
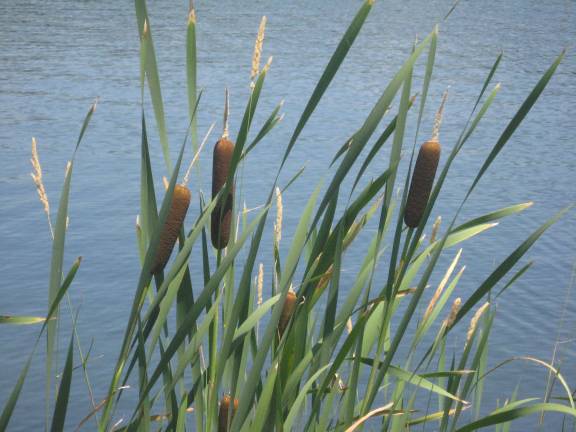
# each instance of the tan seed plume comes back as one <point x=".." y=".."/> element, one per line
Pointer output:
<point x="37" y="178"/>
<point x="278" y="224"/>
<point x="349" y="325"/>
<point x="260" y="283"/>
<point x="257" y="51"/>
<point x="192" y="16"/>
<point x="474" y="321"/>
<point x="435" y="229"/>
<point x="438" y="118"/>
<point x="453" y="312"/>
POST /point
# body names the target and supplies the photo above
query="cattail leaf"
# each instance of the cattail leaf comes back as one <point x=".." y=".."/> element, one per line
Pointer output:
<point x="200" y="303"/>
<point x="263" y="402"/>
<point x="506" y="266"/>
<point x="514" y="278"/>
<point x="190" y="352"/>
<point x="14" y="395"/>
<point x="427" y="78"/>
<point x="255" y="317"/>
<point x="361" y="137"/>
<point x="143" y="282"/>
<point x="329" y="72"/>
<point x="378" y="145"/>
<point x="58" y="255"/>
<point x="506" y="414"/>
<point x="517" y="119"/>
<point x="20" y="320"/>
<point x="153" y="76"/>
<point x="268" y="125"/>
<point x="295" y="409"/>
<point x="494" y="216"/>
<point x="253" y="378"/>
<point x="61" y="407"/>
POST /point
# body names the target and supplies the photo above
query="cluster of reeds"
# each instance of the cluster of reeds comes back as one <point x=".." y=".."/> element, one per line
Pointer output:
<point x="284" y="353"/>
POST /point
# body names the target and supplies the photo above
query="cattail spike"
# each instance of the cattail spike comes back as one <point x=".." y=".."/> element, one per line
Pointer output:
<point x="226" y="413"/>
<point x="171" y="228"/>
<point x="222" y="213"/>
<point x="438" y="117"/>
<point x="422" y="181"/>
<point x="287" y="311"/>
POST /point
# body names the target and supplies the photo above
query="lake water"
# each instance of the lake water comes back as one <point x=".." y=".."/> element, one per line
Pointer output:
<point x="56" y="57"/>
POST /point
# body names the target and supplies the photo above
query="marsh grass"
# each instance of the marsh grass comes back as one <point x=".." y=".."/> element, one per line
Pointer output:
<point x="345" y="357"/>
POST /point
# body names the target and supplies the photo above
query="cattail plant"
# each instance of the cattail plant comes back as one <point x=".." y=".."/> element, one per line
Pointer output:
<point x="424" y="173"/>
<point x="287" y="312"/>
<point x="222" y="213"/>
<point x="226" y="413"/>
<point x="172" y="225"/>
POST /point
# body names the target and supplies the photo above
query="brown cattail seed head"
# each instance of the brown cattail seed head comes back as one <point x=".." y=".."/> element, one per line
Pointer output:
<point x="422" y="180"/>
<point x="172" y="225"/>
<point x="222" y="213"/>
<point x="287" y="311"/>
<point x="226" y="412"/>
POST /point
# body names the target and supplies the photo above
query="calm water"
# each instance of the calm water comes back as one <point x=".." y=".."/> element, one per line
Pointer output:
<point x="56" y="57"/>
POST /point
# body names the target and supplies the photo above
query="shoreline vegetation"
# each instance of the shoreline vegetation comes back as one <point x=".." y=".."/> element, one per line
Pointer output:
<point x="256" y="349"/>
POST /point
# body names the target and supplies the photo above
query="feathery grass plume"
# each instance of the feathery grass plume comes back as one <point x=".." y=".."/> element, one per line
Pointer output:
<point x="257" y="51"/>
<point x="171" y="228"/>
<point x="165" y="182"/>
<point x="260" y="283"/>
<point x="441" y="286"/>
<point x="222" y="213"/>
<point x="474" y="321"/>
<point x="287" y="311"/>
<point x="453" y="312"/>
<point x="37" y="178"/>
<point x="424" y="173"/>
<point x="435" y="229"/>
<point x="278" y="224"/>
<point x="226" y="413"/>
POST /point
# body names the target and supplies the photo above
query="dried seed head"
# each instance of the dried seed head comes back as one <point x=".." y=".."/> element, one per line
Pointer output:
<point x="474" y="321"/>
<point x="260" y="283"/>
<point x="421" y="184"/>
<point x="226" y="413"/>
<point x="222" y="213"/>
<point x="449" y="321"/>
<point x="287" y="312"/>
<point x="278" y="224"/>
<point x="349" y="325"/>
<point x="37" y="178"/>
<point x="258" y="50"/>
<point x="191" y="17"/>
<point x="438" y="117"/>
<point x="171" y="228"/>
<point x="435" y="229"/>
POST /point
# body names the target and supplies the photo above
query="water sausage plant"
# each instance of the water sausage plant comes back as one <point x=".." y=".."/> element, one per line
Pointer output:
<point x="300" y="349"/>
